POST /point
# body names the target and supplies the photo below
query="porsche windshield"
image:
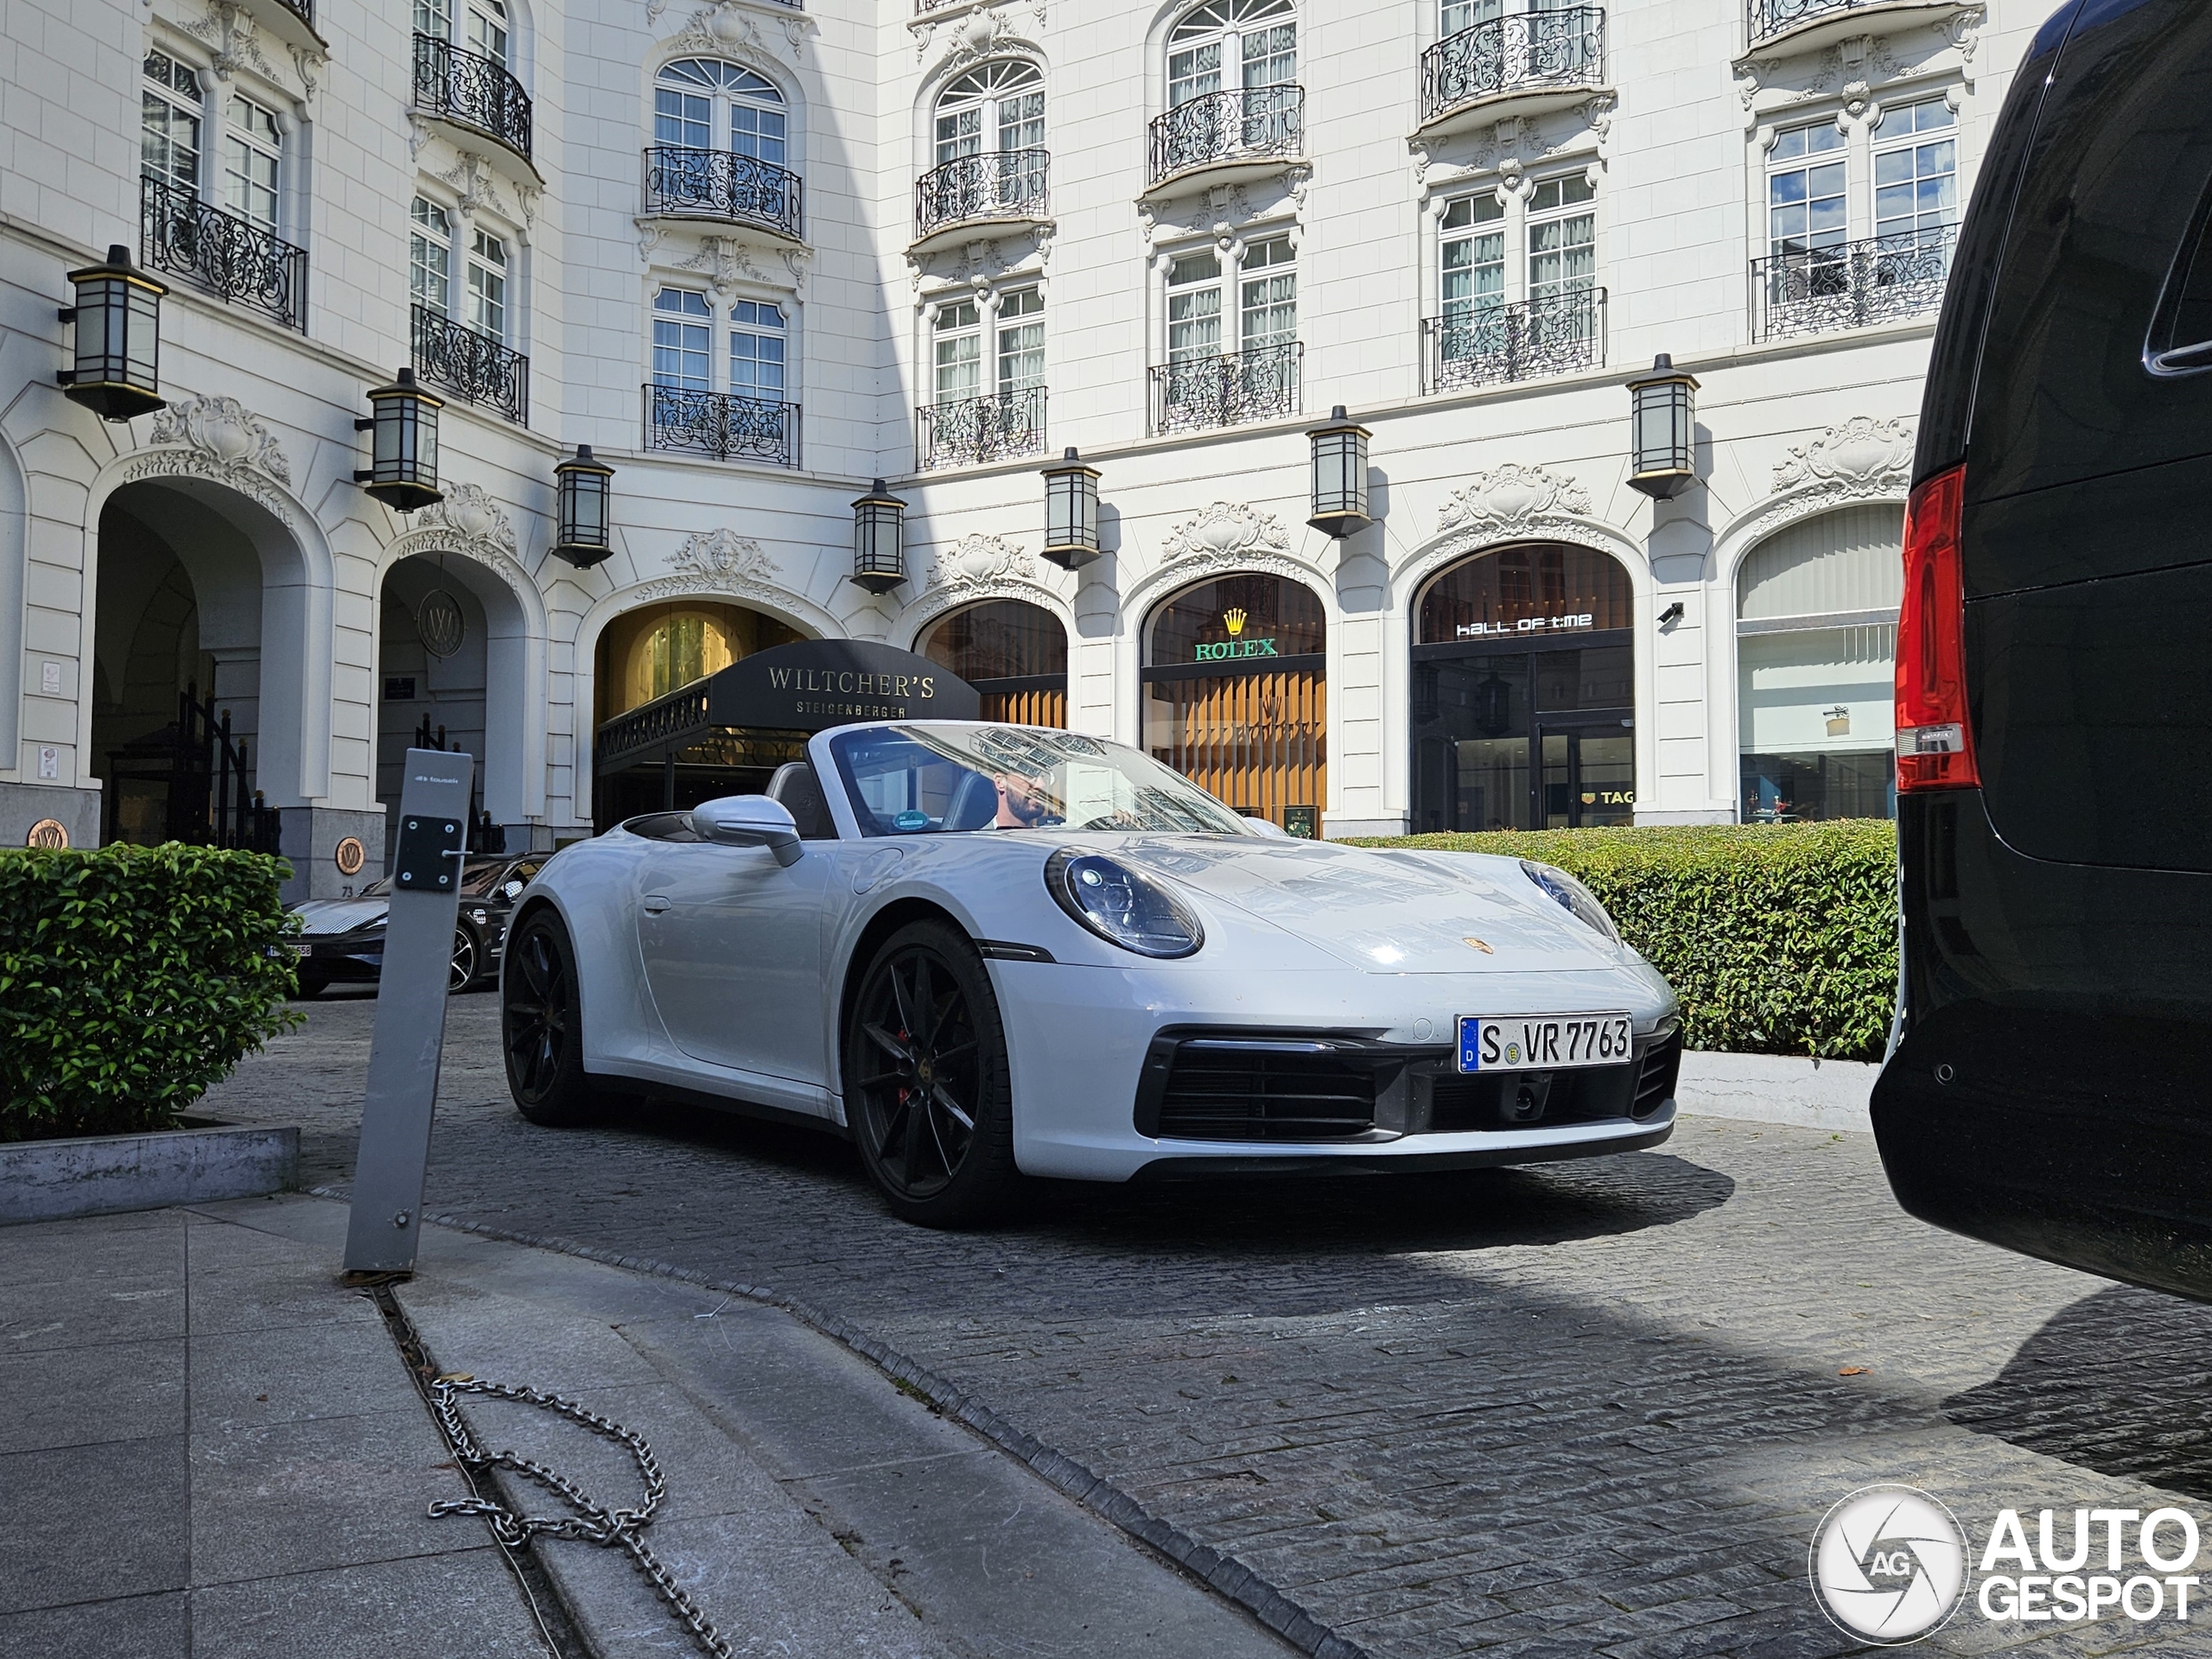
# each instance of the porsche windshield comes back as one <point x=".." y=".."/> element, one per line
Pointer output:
<point x="918" y="780"/>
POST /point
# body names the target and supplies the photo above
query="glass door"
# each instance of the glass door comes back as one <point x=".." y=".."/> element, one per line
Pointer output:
<point x="1589" y="775"/>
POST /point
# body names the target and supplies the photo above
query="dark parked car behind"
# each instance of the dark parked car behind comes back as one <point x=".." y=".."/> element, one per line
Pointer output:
<point x="2050" y="1088"/>
<point x="343" y="938"/>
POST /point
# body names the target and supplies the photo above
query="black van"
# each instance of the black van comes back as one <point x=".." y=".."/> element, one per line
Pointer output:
<point x="2050" y="1086"/>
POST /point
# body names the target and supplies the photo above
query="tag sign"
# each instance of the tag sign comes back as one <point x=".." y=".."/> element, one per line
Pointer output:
<point x="410" y="1026"/>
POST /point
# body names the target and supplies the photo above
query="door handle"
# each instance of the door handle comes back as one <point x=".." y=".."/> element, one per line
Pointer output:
<point x="654" y="903"/>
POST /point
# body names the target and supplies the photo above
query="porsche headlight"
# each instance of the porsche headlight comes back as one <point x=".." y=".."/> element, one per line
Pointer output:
<point x="1571" y="897"/>
<point x="1121" y="907"/>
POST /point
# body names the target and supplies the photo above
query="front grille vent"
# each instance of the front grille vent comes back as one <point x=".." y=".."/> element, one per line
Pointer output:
<point x="1207" y="1088"/>
<point x="1655" y="1076"/>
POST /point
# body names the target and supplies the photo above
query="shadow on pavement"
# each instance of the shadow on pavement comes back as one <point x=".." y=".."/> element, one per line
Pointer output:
<point x="2097" y="1388"/>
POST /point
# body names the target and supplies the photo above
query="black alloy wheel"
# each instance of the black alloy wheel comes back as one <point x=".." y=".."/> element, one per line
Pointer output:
<point x="926" y="1087"/>
<point x="541" y="1026"/>
<point x="463" y="974"/>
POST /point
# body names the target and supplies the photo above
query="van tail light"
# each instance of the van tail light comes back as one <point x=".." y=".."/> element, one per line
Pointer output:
<point x="1935" y="741"/>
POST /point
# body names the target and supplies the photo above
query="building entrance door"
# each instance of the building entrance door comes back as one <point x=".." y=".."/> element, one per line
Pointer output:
<point x="1589" y="775"/>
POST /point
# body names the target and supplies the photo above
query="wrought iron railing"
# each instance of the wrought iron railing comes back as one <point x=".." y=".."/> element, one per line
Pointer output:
<point x="1528" y="51"/>
<point x="935" y="5"/>
<point x="1492" y="345"/>
<point x="1199" y="392"/>
<point x="1818" y="290"/>
<point x="1244" y="123"/>
<point x="975" y="429"/>
<point x="302" y="10"/>
<point x="996" y="184"/>
<point x="722" y="184"/>
<point x="1768" y="18"/>
<point x="664" y="721"/>
<point x="475" y="90"/>
<point x="722" y="424"/>
<point x="205" y="778"/>
<point x="470" y="365"/>
<point x="221" y="252"/>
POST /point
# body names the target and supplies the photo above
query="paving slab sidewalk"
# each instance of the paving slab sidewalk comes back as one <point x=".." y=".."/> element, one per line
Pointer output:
<point x="233" y="1459"/>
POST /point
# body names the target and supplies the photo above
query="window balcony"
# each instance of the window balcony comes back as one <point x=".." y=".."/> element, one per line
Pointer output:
<point x="1809" y="25"/>
<point x="974" y="430"/>
<point x="1217" y="136"/>
<point x="722" y="186"/>
<point x="1201" y="393"/>
<point x="473" y="366"/>
<point x="291" y="22"/>
<point x="472" y="92"/>
<point x="722" y="425"/>
<point x="1851" y="285"/>
<point x="1521" y="65"/>
<point x="1495" y="344"/>
<point x="232" y="258"/>
<point x="995" y="188"/>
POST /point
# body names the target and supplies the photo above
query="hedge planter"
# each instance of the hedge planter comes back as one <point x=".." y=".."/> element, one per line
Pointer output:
<point x="104" y="1174"/>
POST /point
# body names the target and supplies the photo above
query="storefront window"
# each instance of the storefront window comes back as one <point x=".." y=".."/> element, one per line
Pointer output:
<point x="1524" y="693"/>
<point x="647" y="653"/>
<point x="1816" y="642"/>
<point x="1235" y="696"/>
<point x="1015" y="654"/>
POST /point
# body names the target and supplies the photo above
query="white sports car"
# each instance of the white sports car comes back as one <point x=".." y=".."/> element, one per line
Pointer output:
<point x="979" y="950"/>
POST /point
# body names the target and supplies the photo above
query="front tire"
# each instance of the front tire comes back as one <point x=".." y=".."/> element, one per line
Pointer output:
<point x="542" y="1027"/>
<point x="927" y="1086"/>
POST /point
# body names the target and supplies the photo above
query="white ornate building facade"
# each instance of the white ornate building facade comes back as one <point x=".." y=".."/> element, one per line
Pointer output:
<point x="758" y="254"/>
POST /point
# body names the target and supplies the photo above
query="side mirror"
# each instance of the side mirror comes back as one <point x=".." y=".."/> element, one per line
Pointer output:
<point x="750" y="821"/>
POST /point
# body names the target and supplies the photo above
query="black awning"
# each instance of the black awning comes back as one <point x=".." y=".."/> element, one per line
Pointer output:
<point x="808" y="686"/>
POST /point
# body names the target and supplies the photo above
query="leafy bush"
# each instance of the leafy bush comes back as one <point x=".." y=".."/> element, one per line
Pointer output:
<point x="131" y="979"/>
<point x="1779" y="939"/>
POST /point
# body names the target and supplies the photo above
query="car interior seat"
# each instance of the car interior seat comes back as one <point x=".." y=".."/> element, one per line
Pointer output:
<point x="799" y="793"/>
<point x="975" y="804"/>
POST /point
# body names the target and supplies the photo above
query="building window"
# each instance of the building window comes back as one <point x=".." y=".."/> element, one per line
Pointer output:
<point x="1268" y="303"/>
<point x="1015" y="654"/>
<point x="1562" y="238"/>
<point x="998" y="107"/>
<point x="1194" y="307"/>
<point x="251" y="154"/>
<point x="1021" y="340"/>
<point x="1474" y="274"/>
<point x="699" y="103"/>
<point x="170" y="102"/>
<point x="1915" y="172"/>
<point x="756" y="350"/>
<point x="485" y="25"/>
<point x="682" y="327"/>
<point x="1816" y="607"/>
<point x="487" y="285"/>
<point x="430" y="256"/>
<point x="959" y="352"/>
<point x="1805" y="190"/>
<point x="1255" y="41"/>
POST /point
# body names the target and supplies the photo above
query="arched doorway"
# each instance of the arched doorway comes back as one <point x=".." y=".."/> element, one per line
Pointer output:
<point x="648" y="652"/>
<point x="432" y="681"/>
<point x="1235" y="696"/>
<point x="1816" y="639"/>
<point x="177" y="729"/>
<point x="1524" y="692"/>
<point x="1015" y="654"/>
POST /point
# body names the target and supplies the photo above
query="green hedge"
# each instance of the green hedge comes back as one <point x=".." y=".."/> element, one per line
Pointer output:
<point x="1779" y="939"/>
<point x="131" y="979"/>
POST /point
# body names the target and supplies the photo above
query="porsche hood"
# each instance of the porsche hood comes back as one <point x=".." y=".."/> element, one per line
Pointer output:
<point x="1384" y="913"/>
<point x="323" y="916"/>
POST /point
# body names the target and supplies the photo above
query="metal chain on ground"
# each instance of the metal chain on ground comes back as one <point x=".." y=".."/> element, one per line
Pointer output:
<point x="593" y="1523"/>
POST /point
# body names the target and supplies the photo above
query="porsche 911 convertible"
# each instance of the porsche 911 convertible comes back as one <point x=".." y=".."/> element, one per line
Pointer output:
<point x="984" y="952"/>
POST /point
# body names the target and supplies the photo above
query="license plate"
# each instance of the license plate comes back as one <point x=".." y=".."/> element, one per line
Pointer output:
<point x="1542" y="1042"/>
<point x="301" y="950"/>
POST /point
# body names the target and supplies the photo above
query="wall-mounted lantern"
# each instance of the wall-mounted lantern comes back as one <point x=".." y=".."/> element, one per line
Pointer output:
<point x="119" y="318"/>
<point x="403" y="472"/>
<point x="1339" y="476"/>
<point x="1663" y="430"/>
<point x="583" y="495"/>
<point x="1072" y="512"/>
<point x="879" y="540"/>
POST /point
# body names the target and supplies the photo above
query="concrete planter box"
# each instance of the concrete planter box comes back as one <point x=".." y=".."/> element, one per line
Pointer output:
<point x="101" y="1174"/>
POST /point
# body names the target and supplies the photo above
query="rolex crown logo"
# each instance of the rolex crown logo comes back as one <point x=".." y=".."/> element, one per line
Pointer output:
<point x="1234" y="621"/>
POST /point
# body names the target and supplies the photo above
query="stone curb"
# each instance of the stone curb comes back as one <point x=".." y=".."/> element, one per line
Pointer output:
<point x="1227" y="1577"/>
<point x="107" y="1174"/>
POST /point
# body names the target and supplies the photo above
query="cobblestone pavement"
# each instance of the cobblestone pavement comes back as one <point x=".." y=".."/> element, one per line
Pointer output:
<point x="1592" y="1408"/>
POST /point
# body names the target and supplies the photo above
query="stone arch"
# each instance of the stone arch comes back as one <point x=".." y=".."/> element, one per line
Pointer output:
<point x="478" y="544"/>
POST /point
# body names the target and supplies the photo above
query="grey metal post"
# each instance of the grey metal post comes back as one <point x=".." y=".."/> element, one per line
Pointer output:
<point x="410" y="1026"/>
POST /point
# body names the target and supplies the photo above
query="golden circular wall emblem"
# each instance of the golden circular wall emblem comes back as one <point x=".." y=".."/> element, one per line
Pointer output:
<point x="49" y="833"/>
<point x="440" y="624"/>
<point x="351" y="856"/>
